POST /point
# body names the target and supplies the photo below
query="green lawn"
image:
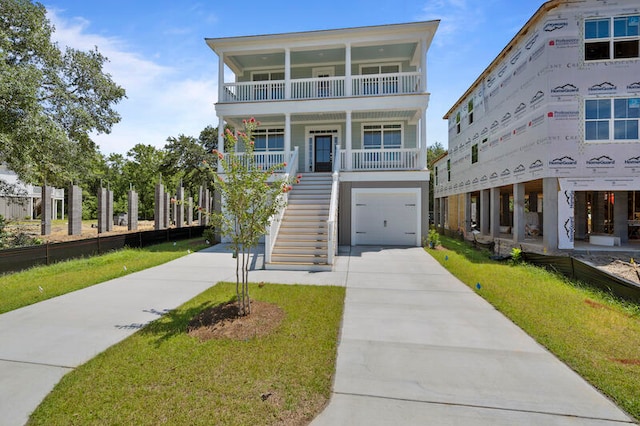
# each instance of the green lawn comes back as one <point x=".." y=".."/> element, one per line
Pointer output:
<point x="592" y="332"/>
<point x="161" y="375"/>
<point x="44" y="282"/>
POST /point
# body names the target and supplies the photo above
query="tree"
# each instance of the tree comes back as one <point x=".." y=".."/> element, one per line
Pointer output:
<point x="251" y="196"/>
<point x="143" y="172"/>
<point x="185" y="160"/>
<point x="49" y="100"/>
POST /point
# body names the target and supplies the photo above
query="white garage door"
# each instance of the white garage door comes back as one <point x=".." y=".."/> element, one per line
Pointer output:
<point x="385" y="216"/>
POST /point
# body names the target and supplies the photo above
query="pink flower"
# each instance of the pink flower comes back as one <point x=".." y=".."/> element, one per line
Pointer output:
<point x="220" y="156"/>
<point x="252" y="120"/>
<point x="284" y="164"/>
<point x="227" y="131"/>
<point x="251" y="143"/>
<point x="204" y="161"/>
<point x="290" y="187"/>
<point x="173" y="200"/>
<point x="299" y="176"/>
<point x="244" y="121"/>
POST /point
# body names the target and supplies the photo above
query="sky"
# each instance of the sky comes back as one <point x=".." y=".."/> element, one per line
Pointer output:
<point x="157" y="52"/>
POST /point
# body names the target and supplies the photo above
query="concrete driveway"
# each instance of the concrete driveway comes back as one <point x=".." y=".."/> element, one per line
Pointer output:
<point x="417" y="346"/>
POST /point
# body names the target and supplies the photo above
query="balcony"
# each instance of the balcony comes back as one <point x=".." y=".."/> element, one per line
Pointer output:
<point x="323" y="88"/>
<point x="360" y="159"/>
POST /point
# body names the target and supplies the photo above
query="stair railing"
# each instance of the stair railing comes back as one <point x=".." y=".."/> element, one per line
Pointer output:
<point x="332" y="226"/>
<point x="273" y="228"/>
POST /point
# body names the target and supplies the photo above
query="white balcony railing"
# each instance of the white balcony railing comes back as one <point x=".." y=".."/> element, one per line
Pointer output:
<point x="314" y="88"/>
<point x="323" y="87"/>
<point x="332" y="221"/>
<point x="386" y="84"/>
<point x="266" y="160"/>
<point x="384" y="159"/>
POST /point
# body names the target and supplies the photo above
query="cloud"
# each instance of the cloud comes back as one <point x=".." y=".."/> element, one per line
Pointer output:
<point x="457" y="18"/>
<point x="161" y="101"/>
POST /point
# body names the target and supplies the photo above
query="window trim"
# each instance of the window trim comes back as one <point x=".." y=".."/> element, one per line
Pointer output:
<point x="382" y="125"/>
<point x="610" y="121"/>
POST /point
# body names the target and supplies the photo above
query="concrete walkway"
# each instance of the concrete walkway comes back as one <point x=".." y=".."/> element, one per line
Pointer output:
<point x="417" y="346"/>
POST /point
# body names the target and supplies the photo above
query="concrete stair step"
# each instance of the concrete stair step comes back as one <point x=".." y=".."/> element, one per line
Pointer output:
<point x="300" y="258"/>
<point x="284" y="237"/>
<point x="310" y="224"/>
<point x="318" y="244"/>
<point x="298" y="266"/>
<point x="298" y="251"/>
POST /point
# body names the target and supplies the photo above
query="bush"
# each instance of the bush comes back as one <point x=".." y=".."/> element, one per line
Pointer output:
<point x="434" y="238"/>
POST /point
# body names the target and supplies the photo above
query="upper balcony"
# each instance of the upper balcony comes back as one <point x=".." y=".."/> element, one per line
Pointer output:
<point x="323" y="87"/>
<point x="384" y="60"/>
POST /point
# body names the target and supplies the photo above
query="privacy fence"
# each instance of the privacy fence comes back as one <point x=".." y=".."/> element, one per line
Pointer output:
<point x="17" y="259"/>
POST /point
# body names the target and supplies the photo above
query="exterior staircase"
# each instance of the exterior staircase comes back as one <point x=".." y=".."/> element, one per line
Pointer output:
<point x="302" y="243"/>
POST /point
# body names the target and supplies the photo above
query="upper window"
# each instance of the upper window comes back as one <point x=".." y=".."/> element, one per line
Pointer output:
<point x="474" y="154"/>
<point x="377" y="136"/>
<point x="615" y="119"/>
<point x="269" y="139"/>
<point x="612" y="38"/>
<point x="374" y="83"/>
<point x="470" y="109"/>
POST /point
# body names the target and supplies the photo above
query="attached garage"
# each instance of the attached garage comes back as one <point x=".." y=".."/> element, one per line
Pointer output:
<point x="385" y="216"/>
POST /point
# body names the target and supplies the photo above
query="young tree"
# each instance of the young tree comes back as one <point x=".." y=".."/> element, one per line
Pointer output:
<point x="50" y="100"/>
<point x="250" y="197"/>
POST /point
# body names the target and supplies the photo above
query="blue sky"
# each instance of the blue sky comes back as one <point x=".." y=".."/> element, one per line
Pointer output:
<point x="158" y="54"/>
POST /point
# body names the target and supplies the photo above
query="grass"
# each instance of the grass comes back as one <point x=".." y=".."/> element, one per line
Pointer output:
<point x="160" y="375"/>
<point x="44" y="282"/>
<point x="594" y="333"/>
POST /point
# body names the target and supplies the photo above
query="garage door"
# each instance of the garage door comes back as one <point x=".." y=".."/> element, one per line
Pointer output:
<point x="385" y="216"/>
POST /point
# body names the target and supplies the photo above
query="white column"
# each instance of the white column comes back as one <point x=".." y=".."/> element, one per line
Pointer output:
<point x="347" y="70"/>
<point x="423" y="140"/>
<point x="518" y="212"/>
<point x="220" y="139"/>
<point x="423" y="64"/>
<point x="287" y="134"/>
<point x="221" y="77"/>
<point x="287" y="74"/>
<point x="348" y="131"/>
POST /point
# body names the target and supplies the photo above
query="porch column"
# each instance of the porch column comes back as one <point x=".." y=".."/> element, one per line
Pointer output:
<point x="620" y="215"/>
<point x="423" y="140"/>
<point x="423" y="65"/>
<point x="494" y="212"/>
<point x="347" y="70"/>
<point x="287" y="134"/>
<point x="518" y="212"/>
<point x="436" y="212"/>
<point x="550" y="214"/>
<point x="348" y="141"/>
<point x="484" y="212"/>
<point x="220" y="140"/>
<point x="467" y="213"/>
<point x="220" y="77"/>
<point x="287" y="74"/>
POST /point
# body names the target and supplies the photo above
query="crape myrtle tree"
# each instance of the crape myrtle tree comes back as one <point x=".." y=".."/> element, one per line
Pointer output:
<point x="50" y="100"/>
<point x="250" y="196"/>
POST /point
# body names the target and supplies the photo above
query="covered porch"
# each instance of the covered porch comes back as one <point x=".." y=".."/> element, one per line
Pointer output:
<point x="372" y="140"/>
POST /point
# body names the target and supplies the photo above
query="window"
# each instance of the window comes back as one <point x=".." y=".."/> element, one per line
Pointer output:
<point x="268" y="140"/>
<point x="612" y="38"/>
<point x="373" y="83"/>
<point x="470" y="109"/>
<point x="382" y="136"/>
<point x="435" y="171"/>
<point x="458" y="123"/>
<point x="612" y="119"/>
<point x="474" y="154"/>
<point x="448" y="170"/>
<point x="273" y="86"/>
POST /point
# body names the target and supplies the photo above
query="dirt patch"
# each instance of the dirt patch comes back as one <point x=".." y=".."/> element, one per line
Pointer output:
<point x="596" y="305"/>
<point x="223" y="322"/>
<point x="60" y="231"/>
<point x="626" y="361"/>
<point x="614" y="266"/>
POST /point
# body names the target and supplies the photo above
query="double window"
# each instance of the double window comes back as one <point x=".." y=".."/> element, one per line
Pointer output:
<point x="612" y="38"/>
<point x="382" y="136"/>
<point x="616" y="119"/>
<point x="269" y="85"/>
<point x="374" y="83"/>
<point x="268" y="140"/>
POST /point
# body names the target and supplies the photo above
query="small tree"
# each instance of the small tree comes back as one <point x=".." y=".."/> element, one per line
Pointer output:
<point x="250" y="196"/>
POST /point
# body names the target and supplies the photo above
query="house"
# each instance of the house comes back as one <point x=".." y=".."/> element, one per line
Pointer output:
<point x="19" y="201"/>
<point x="346" y="107"/>
<point x="544" y="146"/>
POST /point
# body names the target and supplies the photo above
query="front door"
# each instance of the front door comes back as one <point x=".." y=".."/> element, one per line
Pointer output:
<point x="322" y="153"/>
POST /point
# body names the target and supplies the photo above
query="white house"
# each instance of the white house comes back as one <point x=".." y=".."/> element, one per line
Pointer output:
<point x="349" y="103"/>
<point x="545" y="145"/>
<point x="23" y="200"/>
